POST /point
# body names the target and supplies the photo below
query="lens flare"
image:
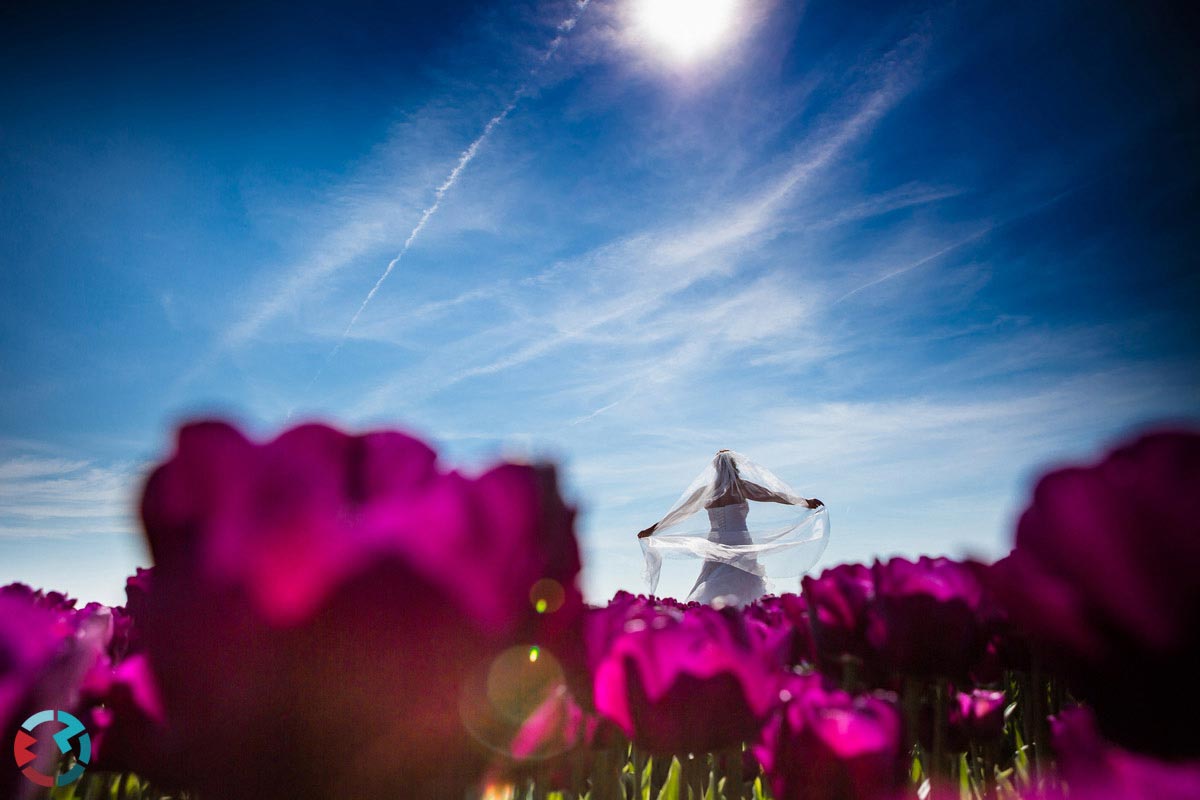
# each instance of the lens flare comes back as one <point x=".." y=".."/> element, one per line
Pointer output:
<point x="499" y="791"/>
<point x="516" y="700"/>
<point x="520" y="679"/>
<point x="547" y="596"/>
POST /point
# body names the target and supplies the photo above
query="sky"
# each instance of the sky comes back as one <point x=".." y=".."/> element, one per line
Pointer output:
<point x="906" y="255"/>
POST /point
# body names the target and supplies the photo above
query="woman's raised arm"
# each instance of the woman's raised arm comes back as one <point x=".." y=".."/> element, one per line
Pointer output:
<point x="764" y="495"/>
<point x="685" y="508"/>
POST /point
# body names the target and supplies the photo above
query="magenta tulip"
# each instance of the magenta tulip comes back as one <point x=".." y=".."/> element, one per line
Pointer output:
<point x="685" y="681"/>
<point x="825" y="744"/>
<point x="782" y="624"/>
<point x="124" y="715"/>
<point x="925" y="619"/>
<point x="838" y="600"/>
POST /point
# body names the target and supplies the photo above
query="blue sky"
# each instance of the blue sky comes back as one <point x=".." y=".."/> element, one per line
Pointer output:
<point x="905" y="254"/>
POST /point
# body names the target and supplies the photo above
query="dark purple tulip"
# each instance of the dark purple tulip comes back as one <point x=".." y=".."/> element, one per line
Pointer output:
<point x="925" y="619"/>
<point x="125" y="719"/>
<point x="59" y="607"/>
<point x="1007" y="646"/>
<point x="1103" y="581"/>
<point x="324" y="607"/>
<point x="1093" y="769"/>
<point x="604" y="624"/>
<point x="751" y="768"/>
<point x="1007" y="649"/>
<point x="976" y="716"/>
<point x="56" y="602"/>
<point x="685" y="681"/>
<point x="782" y="625"/>
<point x="825" y="744"/>
<point x="124" y="635"/>
<point x="838" y="600"/>
<point x="989" y="669"/>
<point x="137" y="590"/>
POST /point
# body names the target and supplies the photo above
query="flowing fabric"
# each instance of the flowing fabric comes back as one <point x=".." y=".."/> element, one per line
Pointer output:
<point x="746" y="526"/>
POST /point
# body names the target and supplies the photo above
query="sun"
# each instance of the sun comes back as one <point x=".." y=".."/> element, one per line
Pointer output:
<point x="685" y="30"/>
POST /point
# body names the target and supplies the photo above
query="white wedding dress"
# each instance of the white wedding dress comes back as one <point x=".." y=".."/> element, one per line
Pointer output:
<point x="742" y="552"/>
<point x="719" y="581"/>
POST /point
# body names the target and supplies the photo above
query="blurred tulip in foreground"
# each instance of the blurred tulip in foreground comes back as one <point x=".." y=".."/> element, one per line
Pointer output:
<point x="1094" y="769"/>
<point x="1103" y="580"/>
<point x="320" y="603"/>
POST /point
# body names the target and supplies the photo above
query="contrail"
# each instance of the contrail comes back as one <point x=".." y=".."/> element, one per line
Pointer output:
<point x="916" y="264"/>
<point x="464" y="159"/>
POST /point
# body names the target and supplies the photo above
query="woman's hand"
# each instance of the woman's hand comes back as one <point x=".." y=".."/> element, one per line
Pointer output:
<point x="814" y="503"/>
<point x="642" y="534"/>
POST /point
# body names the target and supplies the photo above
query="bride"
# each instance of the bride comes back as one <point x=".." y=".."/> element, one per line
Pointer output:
<point x="738" y="561"/>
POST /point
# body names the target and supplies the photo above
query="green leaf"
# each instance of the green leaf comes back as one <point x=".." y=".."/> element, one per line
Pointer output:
<point x="68" y="792"/>
<point x="916" y="773"/>
<point x="670" y="790"/>
<point x="1021" y="760"/>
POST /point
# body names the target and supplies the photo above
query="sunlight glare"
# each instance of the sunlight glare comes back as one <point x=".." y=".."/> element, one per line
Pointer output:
<point x="687" y="29"/>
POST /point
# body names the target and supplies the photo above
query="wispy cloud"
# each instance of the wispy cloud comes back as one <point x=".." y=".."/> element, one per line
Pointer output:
<point x="55" y="496"/>
<point x="25" y="467"/>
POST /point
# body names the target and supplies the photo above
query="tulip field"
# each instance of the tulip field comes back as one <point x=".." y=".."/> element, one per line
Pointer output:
<point x="338" y="616"/>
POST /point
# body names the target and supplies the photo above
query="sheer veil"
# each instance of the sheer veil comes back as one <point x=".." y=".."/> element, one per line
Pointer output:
<point x="785" y="537"/>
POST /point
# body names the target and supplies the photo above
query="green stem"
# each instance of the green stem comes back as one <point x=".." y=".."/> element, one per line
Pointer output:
<point x="849" y="673"/>
<point x="639" y="764"/>
<point x="1037" y="710"/>
<point x="939" y="729"/>
<point x="912" y="713"/>
<point x="733" y="774"/>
